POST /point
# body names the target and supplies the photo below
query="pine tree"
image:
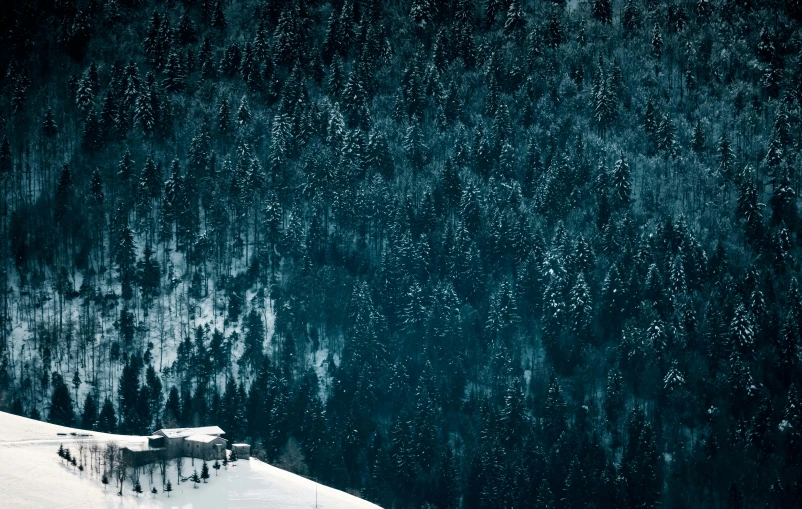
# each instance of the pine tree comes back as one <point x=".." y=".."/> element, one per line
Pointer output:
<point x="415" y="147"/>
<point x="107" y="420"/>
<point x="748" y="209"/>
<point x="789" y="344"/>
<point x="125" y="258"/>
<point x="89" y="417"/>
<point x="677" y="280"/>
<point x="49" y="126"/>
<point x="613" y="301"/>
<point x="254" y="340"/>
<point x="243" y="113"/>
<point x="137" y="488"/>
<point x="783" y="201"/>
<point x="726" y="156"/>
<point x="630" y="18"/>
<point x="84" y="97"/>
<point x="640" y="462"/>
<point x="773" y="77"/>
<point x="515" y="23"/>
<point x="204" y="471"/>
<point x="224" y="117"/>
<point x="61" y="411"/>
<point x="699" y="138"/>
<point x="545" y="497"/>
<point x="174" y="74"/>
<point x="657" y="43"/>
<point x="614" y="396"/>
<point x="554" y="312"/>
<point x="605" y="99"/>
<point x="554" y="412"/>
<point x="554" y="33"/>
<point x="742" y="332"/>
<point x="63" y="198"/>
<point x="168" y="488"/>
<point x="377" y="155"/>
<point x="620" y="183"/>
<point x="144" y="113"/>
<point x="666" y="137"/>
<point x="218" y="17"/>
<point x="580" y="314"/>
<point x="603" y="11"/>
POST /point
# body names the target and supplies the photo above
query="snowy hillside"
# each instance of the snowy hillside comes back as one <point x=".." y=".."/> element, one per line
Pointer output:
<point x="33" y="476"/>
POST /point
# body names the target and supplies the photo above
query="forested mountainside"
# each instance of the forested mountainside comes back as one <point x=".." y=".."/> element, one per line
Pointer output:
<point x="445" y="254"/>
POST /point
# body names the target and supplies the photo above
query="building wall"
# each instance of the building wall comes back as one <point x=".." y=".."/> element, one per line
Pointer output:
<point x="205" y="450"/>
<point x="143" y="457"/>
<point x="175" y="447"/>
<point x="243" y="450"/>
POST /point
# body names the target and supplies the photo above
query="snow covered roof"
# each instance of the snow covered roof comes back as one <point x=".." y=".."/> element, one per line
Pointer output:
<point x="187" y="432"/>
<point x="201" y="438"/>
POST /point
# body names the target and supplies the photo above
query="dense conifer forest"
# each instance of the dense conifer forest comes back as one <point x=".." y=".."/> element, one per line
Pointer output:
<point x="442" y="254"/>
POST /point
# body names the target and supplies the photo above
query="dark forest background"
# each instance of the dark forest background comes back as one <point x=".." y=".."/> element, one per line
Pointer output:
<point x="444" y="254"/>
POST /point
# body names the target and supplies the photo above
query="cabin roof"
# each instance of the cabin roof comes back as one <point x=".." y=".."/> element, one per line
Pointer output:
<point x="187" y="432"/>
<point x="202" y="438"/>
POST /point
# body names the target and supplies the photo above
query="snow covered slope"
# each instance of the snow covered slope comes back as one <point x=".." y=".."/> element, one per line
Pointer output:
<point x="33" y="476"/>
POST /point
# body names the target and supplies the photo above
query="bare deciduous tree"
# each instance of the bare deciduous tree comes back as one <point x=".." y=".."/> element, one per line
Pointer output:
<point x="121" y="468"/>
<point x="151" y="468"/>
<point x="179" y="468"/>
<point x="163" y="466"/>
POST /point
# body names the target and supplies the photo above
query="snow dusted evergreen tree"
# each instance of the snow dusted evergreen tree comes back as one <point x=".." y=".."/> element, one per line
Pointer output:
<point x="515" y="22"/>
<point x="580" y="314"/>
<point x="605" y="98"/>
<point x="640" y="462"/>
<point x="554" y="312"/>
<point x="630" y="18"/>
<point x="144" y="114"/>
<point x="748" y="208"/>
<point x="174" y="74"/>
<point x="603" y="11"/>
<point x="742" y="339"/>
<point x="699" y="137"/>
<point x="204" y="471"/>
<point x="657" y="42"/>
<point x="783" y="200"/>
<point x="726" y="156"/>
<point x="621" y="184"/>
<point x="614" y="396"/>
<point x="789" y="344"/>
<point x="554" y="412"/>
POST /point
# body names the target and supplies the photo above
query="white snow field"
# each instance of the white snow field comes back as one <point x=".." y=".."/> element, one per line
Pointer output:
<point x="33" y="476"/>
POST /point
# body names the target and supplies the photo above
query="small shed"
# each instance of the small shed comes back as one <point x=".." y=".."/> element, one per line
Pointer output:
<point x="206" y="447"/>
<point x="243" y="451"/>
